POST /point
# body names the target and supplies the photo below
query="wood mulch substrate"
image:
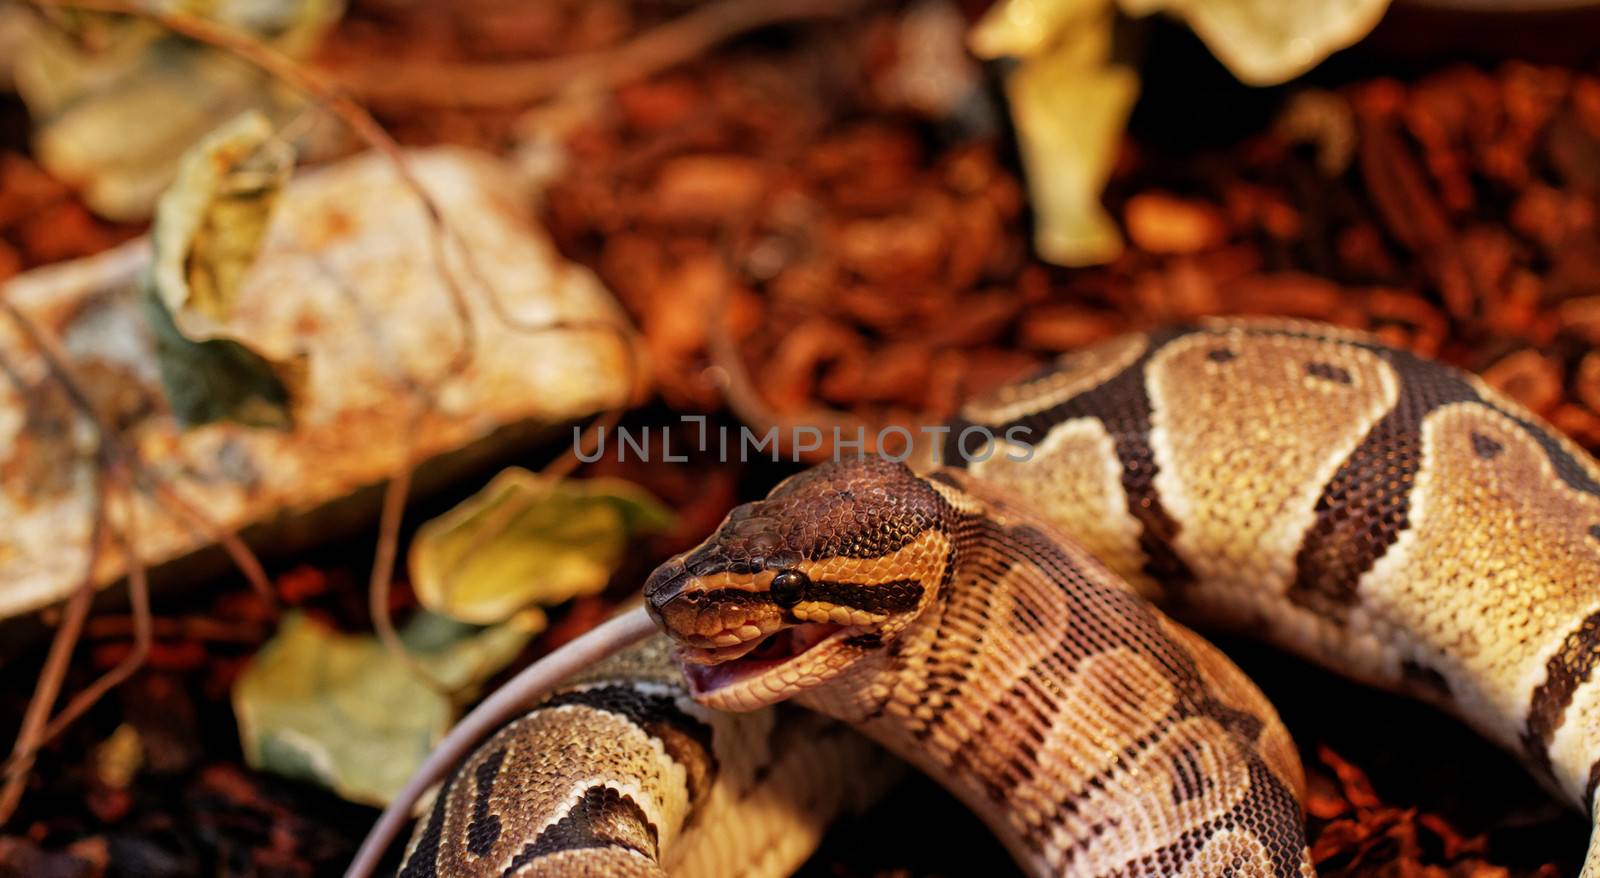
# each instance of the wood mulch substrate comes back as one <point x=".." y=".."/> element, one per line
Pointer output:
<point x="870" y="260"/>
<point x="862" y="257"/>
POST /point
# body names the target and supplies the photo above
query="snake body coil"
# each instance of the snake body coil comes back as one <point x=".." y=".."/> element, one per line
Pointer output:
<point x="618" y="774"/>
<point x="1388" y="517"/>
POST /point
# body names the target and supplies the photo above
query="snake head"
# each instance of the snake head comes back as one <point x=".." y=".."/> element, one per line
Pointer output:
<point x="794" y="590"/>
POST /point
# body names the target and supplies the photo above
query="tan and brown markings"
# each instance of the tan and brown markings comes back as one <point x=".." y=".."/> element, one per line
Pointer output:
<point x="620" y="774"/>
<point x="1389" y="517"/>
<point x="1094" y="736"/>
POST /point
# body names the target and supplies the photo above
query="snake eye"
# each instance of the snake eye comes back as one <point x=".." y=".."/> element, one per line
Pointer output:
<point x="789" y="587"/>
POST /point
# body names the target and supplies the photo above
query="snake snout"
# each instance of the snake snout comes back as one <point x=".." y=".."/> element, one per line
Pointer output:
<point x="663" y="587"/>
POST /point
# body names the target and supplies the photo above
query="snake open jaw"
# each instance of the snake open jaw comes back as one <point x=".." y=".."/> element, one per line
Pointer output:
<point x="764" y="668"/>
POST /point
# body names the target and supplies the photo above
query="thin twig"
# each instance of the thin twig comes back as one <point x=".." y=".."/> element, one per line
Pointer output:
<point x="633" y="368"/>
<point x="55" y="361"/>
<point x="112" y="455"/>
<point x="569" y="461"/>
<point x="740" y="393"/>
<point x="30" y="736"/>
<point x="750" y="407"/>
<point x="380" y="585"/>
<point x="382" y="581"/>
<point x="482" y="86"/>
<point x="138" y="599"/>
<point x="236" y="548"/>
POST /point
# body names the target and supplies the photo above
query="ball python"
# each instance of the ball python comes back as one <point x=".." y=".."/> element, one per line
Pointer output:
<point x="619" y="773"/>
<point x="985" y="615"/>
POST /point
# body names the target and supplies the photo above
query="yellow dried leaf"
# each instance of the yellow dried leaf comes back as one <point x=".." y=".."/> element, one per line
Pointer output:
<point x="1023" y="28"/>
<point x="1070" y="106"/>
<point x="338" y="710"/>
<point x="208" y="228"/>
<point x="118" y="759"/>
<point x="209" y="225"/>
<point x="1265" y="42"/>
<point x="1070" y="101"/>
<point x="527" y="541"/>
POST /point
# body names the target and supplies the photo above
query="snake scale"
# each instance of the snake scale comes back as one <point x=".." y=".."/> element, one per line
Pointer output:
<point x="992" y="619"/>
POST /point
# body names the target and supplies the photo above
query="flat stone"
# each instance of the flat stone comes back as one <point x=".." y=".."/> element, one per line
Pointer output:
<point x="347" y="278"/>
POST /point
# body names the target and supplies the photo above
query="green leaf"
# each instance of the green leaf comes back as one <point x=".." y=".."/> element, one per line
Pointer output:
<point x="217" y="379"/>
<point x="528" y="541"/>
<point x="208" y="228"/>
<point x="340" y="711"/>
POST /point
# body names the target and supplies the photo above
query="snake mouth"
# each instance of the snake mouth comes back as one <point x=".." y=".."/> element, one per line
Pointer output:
<point x="761" y="670"/>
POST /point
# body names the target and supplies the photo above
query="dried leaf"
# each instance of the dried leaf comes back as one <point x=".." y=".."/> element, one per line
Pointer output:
<point x="13" y="36"/>
<point x="524" y="541"/>
<point x="208" y="228"/>
<point x="1070" y="101"/>
<point x="1265" y="42"/>
<point x="1024" y="28"/>
<point x="20" y="856"/>
<point x="116" y="99"/>
<point x="1070" y="106"/>
<point x="338" y="710"/>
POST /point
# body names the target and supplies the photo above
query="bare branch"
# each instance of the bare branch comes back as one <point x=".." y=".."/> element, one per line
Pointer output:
<point x="31" y="735"/>
<point x="139" y="600"/>
<point x="236" y="548"/>
<point x="110" y="627"/>
<point x="382" y="581"/>
<point x="750" y="407"/>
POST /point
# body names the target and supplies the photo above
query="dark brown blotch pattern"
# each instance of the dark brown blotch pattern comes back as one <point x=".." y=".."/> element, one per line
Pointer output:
<point x="1122" y="404"/>
<point x="1568" y="669"/>
<point x="1098" y="618"/>
<point x="602" y="817"/>
<point x="1425" y="681"/>
<point x="1486" y="447"/>
<point x="1329" y="372"/>
<point x="1364" y="508"/>
<point x="686" y="739"/>
<point x="484" y="829"/>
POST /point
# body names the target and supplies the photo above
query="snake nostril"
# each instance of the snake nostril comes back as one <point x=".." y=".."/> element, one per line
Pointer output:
<point x="665" y="584"/>
<point x="703" y="566"/>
